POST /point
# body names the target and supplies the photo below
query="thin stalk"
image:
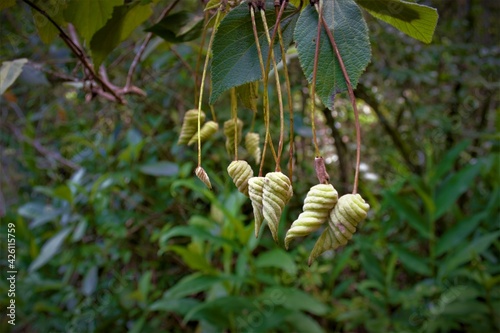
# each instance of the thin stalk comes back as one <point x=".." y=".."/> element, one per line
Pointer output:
<point x="267" y="138"/>
<point x="278" y="89"/>
<point x="351" y="96"/>
<point x="313" y="85"/>
<point x="198" y="59"/>
<point x="202" y="85"/>
<point x="289" y="92"/>
<point x="234" y="116"/>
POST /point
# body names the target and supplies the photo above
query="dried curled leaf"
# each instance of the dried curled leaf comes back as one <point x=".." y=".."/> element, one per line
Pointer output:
<point x="318" y="204"/>
<point x="350" y="210"/>
<point x="276" y="193"/>
<point x="190" y="125"/>
<point x="240" y="171"/>
<point x="230" y="127"/>
<point x="255" y="192"/>
<point x="252" y="141"/>
<point x="206" y="132"/>
<point x="203" y="176"/>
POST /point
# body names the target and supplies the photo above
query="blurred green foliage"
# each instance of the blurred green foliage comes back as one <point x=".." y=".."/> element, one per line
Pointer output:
<point x="114" y="232"/>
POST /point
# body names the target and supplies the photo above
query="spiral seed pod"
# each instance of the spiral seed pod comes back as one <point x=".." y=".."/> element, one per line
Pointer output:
<point x="319" y="201"/>
<point x="229" y="132"/>
<point x="277" y="191"/>
<point x="206" y="132"/>
<point x="252" y="141"/>
<point x="350" y="210"/>
<point x="203" y="176"/>
<point x="255" y="192"/>
<point x="240" y="171"/>
<point x="190" y="125"/>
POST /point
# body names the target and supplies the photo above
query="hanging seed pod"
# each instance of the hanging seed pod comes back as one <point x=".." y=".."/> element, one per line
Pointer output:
<point x="206" y="132"/>
<point x="319" y="201"/>
<point x="255" y="192"/>
<point x="203" y="176"/>
<point x="229" y="132"/>
<point x="252" y="141"/>
<point x="190" y="125"/>
<point x="240" y="171"/>
<point x="276" y="193"/>
<point x="350" y="210"/>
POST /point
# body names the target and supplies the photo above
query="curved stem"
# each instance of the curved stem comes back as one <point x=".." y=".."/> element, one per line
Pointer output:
<point x="313" y="85"/>
<point x="352" y="98"/>
<point x="278" y="86"/>
<point x="202" y="85"/>
<point x="289" y="93"/>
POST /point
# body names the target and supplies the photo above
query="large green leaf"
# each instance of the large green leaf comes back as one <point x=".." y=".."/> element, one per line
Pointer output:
<point x="235" y="58"/>
<point x="351" y="36"/>
<point x="89" y="16"/>
<point x="9" y="72"/>
<point x="124" y="20"/>
<point x="415" y="20"/>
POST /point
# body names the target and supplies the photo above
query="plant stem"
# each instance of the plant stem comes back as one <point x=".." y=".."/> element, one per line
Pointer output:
<point x="234" y="115"/>
<point x="352" y="97"/>
<point x="202" y="85"/>
<point x="313" y="84"/>
<point x="289" y="92"/>
<point x="278" y="87"/>
<point x="267" y="139"/>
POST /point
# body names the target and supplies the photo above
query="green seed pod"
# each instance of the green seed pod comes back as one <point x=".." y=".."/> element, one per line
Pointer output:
<point x="229" y="132"/>
<point x="240" y="171"/>
<point x="255" y="192"/>
<point x="206" y="132"/>
<point x="350" y="210"/>
<point x="276" y="193"/>
<point x="319" y="201"/>
<point x="203" y="176"/>
<point x="190" y="125"/>
<point x="252" y="141"/>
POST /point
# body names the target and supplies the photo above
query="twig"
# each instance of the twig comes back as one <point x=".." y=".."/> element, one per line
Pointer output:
<point x="78" y="52"/>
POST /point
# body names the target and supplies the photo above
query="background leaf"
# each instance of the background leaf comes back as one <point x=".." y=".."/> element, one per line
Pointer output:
<point x="89" y="16"/>
<point x="49" y="249"/>
<point x="417" y="21"/>
<point x="125" y="19"/>
<point x="9" y="72"/>
<point x="351" y="36"/>
<point x="158" y="169"/>
<point x="178" y="27"/>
